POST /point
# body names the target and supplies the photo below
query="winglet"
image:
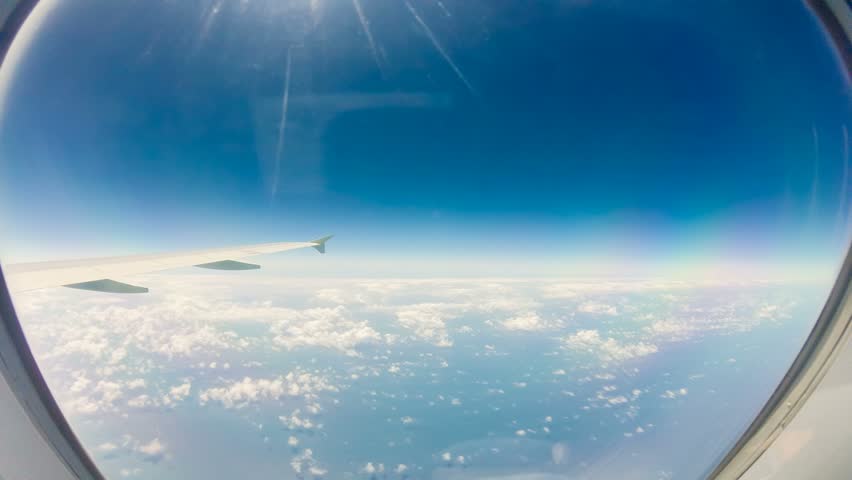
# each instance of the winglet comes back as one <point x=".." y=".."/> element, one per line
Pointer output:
<point x="319" y="244"/>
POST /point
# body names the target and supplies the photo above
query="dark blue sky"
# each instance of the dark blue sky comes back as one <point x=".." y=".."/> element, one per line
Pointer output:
<point x="655" y="127"/>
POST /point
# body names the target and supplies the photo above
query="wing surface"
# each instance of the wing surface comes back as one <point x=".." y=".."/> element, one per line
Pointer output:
<point x="100" y="274"/>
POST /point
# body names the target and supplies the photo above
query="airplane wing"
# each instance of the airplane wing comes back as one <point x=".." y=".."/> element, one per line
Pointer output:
<point x="99" y="274"/>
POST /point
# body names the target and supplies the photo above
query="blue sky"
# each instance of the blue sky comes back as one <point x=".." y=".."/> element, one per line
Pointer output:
<point x="665" y="131"/>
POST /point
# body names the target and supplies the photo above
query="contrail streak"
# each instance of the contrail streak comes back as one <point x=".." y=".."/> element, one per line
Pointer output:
<point x="440" y="49"/>
<point x="282" y="126"/>
<point x="207" y="19"/>
<point x="365" y="25"/>
<point x="444" y="9"/>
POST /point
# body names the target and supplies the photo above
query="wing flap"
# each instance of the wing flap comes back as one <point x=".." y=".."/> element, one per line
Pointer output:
<point x="229" y="265"/>
<point x="108" y="286"/>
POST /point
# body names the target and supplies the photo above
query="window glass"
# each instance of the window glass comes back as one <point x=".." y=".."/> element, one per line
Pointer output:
<point x="573" y="239"/>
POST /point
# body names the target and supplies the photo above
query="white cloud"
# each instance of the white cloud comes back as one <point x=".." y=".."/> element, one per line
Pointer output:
<point x="140" y="401"/>
<point x="401" y="468"/>
<point x="574" y="289"/>
<point x="136" y="383"/>
<point x="204" y="339"/>
<point x="560" y="291"/>
<point x="371" y="468"/>
<point x="154" y="447"/>
<point x="340" y="296"/>
<point x="607" y="349"/>
<point x="672" y="330"/>
<point x="732" y="316"/>
<point x="773" y="312"/>
<point x="129" y="472"/>
<point x="297" y="421"/>
<point x="91" y="343"/>
<point x="304" y="462"/>
<point x="675" y="393"/>
<point x="114" y="331"/>
<point x="487" y="301"/>
<point x="292" y="441"/>
<point x="80" y="383"/>
<point x="117" y="356"/>
<point x="107" y="447"/>
<point x="317" y="471"/>
<point x="180" y="392"/>
<point x="427" y="321"/>
<point x="152" y="451"/>
<point x="313" y="408"/>
<point x="110" y="395"/>
<point x="186" y="325"/>
<point x="103" y="397"/>
<point x="323" y="327"/>
<point x="174" y="326"/>
<point x="597" y="308"/>
<point x="526" y="322"/>
<point x="248" y="390"/>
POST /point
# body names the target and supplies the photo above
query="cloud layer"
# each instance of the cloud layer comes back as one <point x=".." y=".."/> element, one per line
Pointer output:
<point x="288" y="357"/>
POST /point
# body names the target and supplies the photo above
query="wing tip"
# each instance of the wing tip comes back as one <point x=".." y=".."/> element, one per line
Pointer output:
<point x="319" y="244"/>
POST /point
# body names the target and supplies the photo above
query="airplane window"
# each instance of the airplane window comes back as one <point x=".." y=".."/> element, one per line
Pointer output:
<point x="572" y="239"/>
